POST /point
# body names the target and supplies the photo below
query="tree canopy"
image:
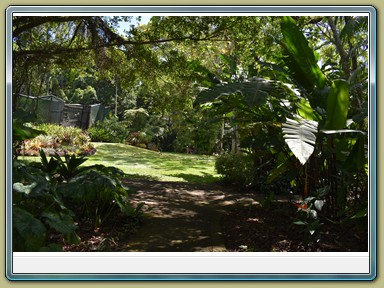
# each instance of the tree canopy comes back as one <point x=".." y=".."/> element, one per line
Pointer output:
<point x="283" y="100"/>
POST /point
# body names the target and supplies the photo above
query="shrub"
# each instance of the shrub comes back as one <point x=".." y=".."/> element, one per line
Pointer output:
<point x="137" y="118"/>
<point x="110" y="130"/>
<point x="140" y="139"/>
<point x="81" y="140"/>
<point x="62" y="135"/>
<point x="141" y="145"/>
<point x="20" y="132"/>
<point x="40" y="141"/>
<point x="236" y="168"/>
<point x="49" y="196"/>
<point x="99" y="134"/>
<point x="54" y="140"/>
<point x="89" y="96"/>
<point x="153" y="147"/>
<point x="37" y="211"/>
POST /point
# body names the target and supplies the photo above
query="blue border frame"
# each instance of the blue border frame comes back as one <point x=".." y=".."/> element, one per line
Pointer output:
<point x="198" y="9"/>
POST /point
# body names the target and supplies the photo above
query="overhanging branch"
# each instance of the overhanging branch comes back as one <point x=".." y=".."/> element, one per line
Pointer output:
<point x="68" y="50"/>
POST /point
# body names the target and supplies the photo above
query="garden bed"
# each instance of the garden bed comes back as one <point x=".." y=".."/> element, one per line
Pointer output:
<point x="266" y="229"/>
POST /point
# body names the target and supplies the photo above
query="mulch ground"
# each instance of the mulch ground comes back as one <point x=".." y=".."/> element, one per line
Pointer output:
<point x="244" y="228"/>
<point x="262" y="229"/>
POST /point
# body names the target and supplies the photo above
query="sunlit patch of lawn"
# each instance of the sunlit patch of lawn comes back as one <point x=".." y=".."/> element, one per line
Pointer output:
<point x="143" y="163"/>
<point x="146" y="164"/>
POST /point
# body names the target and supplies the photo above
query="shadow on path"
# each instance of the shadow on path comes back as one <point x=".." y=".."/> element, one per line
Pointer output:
<point x="182" y="217"/>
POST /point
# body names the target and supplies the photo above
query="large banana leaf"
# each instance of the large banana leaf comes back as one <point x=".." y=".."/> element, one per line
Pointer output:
<point x="255" y="91"/>
<point x="357" y="158"/>
<point x="300" y="58"/>
<point x="305" y="110"/>
<point x="300" y="137"/>
<point x="337" y="105"/>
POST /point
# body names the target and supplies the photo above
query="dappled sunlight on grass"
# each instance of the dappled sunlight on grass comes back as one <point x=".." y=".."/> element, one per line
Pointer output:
<point x="147" y="164"/>
<point x="204" y="178"/>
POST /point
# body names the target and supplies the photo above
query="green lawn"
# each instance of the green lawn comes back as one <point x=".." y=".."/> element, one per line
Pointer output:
<point x="143" y="163"/>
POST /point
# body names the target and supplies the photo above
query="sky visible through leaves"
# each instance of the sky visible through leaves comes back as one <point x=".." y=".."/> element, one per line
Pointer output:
<point x="126" y="25"/>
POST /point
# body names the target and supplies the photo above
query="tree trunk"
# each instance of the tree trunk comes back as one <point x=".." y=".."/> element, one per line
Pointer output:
<point x="235" y="140"/>
<point x="339" y="46"/>
<point x="116" y="98"/>
<point x="221" y="147"/>
<point x="47" y="84"/>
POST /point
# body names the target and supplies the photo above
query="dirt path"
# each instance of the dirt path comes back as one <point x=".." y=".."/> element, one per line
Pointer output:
<point x="182" y="217"/>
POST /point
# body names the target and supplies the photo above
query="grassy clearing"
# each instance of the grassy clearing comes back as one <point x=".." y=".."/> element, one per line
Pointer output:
<point x="147" y="164"/>
<point x="142" y="163"/>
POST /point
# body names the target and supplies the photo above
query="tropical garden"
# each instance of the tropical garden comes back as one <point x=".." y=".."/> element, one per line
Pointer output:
<point x="272" y="107"/>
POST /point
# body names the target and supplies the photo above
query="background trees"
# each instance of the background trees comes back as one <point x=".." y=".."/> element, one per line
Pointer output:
<point x="271" y="89"/>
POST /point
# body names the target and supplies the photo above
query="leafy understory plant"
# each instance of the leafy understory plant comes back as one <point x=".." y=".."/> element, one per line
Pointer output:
<point x="53" y="194"/>
<point x="96" y="191"/>
<point x="38" y="210"/>
<point x="61" y="169"/>
<point x="97" y="188"/>
<point x="311" y="208"/>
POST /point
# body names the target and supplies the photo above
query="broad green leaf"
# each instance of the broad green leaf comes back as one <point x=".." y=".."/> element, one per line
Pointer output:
<point x="38" y="186"/>
<point x="341" y="131"/>
<point x="30" y="229"/>
<point x="322" y="192"/>
<point x="253" y="91"/>
<point x="305" y="110"/>
<point x="300" y="138"/>
<point x="360" y="214"/>
<point x="300" y="59"/>
<point x="48" y="166"/>
<point x="22" y="132"/>
<point x="337" y="105"/>
<point x="300" y="223"/>
<point x="230" y="63"/>
<point x="21" y="188"/>
<point x="60" y="222"/>
<point x="309" y="199"/>
<point x="356" y="158"/>
<point x="278" y="171"/>
<point x="90" y="185"/>
<point x="319" y="204"/>
<point x="124" y="207"/>
<point x="51" y="248"/>
<point x="73" y="162"/>
<point x="341" y="196"/>
<point x="73" y="238"/>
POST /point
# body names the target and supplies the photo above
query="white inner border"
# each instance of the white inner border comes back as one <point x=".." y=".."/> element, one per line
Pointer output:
<point x="191" y="262"/>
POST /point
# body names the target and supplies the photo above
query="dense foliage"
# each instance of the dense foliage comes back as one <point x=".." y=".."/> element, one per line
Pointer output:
<point x="57" y="139"/>
<point x="53" y="196"/>
<point x="283" y="100"/>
